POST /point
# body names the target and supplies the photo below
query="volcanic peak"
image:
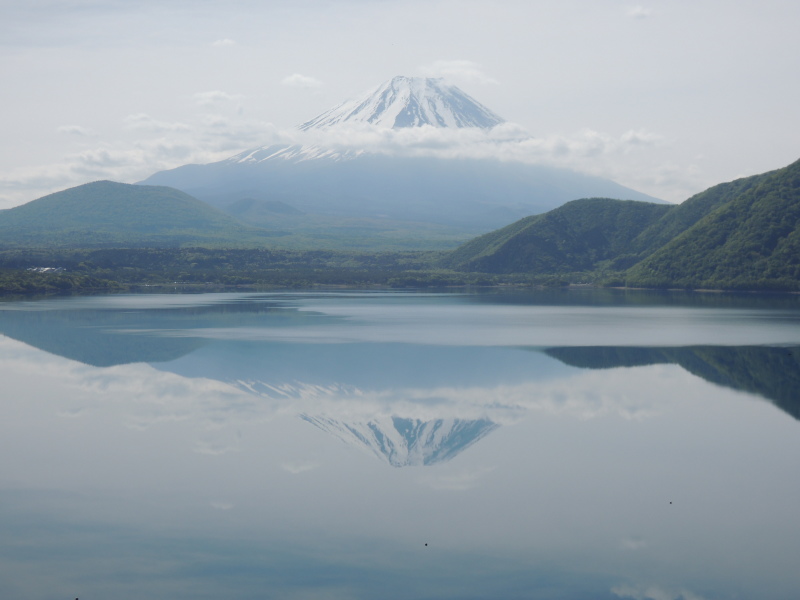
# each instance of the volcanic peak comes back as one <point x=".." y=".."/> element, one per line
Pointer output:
<point x="409" y="102"/>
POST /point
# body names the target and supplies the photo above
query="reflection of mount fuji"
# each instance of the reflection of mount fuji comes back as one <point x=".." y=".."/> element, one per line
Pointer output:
<point x="403" y="402"/>
<point x="770" y="372"/>
<point x="408" y="442"/>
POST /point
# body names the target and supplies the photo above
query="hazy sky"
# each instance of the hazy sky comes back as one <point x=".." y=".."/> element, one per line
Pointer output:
<point x="665" y="97"/>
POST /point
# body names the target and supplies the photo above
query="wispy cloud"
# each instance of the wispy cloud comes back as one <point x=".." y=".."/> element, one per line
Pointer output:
<point x="459" y="71"/>
<point x="216" y="97"/>
<point x="223" y="42"/>
<point x="639" y="12"/>
<point x="301" y="81"/>
<point x="297" y="467"/>
<point x="214" y="448"/>
<point x="76" y="130"/>
<point x="145" y="122"/>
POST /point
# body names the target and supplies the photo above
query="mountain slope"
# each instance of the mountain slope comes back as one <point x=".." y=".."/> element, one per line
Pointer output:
<point x="473" y="195"/>
<point x="751" y="240"/>
<point x="685" y="215"/>
<point x="105" y="213"/>
<point x="574" y="237"/>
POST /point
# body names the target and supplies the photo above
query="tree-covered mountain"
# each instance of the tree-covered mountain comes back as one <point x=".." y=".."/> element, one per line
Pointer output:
<point x="105" y="213"/>
<point x="740" y="235"/>
<point x="573" y="237"/>
<point x="749" y="239"/>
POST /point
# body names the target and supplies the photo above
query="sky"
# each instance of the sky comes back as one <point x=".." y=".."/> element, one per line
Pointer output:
<point x="666" y="97"/>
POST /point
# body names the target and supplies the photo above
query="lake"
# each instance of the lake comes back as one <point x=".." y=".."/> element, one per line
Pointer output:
<point x="570" y="444"/>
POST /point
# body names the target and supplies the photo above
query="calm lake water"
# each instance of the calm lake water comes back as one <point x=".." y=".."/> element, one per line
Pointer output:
<point x="575" y="444"/>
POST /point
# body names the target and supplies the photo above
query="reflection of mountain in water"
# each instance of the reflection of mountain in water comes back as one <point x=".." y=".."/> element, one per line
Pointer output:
<point x="400" y="401"/>
<point x="406" y="442"/>
<point x="90" y="337"/>
<point x="770" y="372"/>
<point x="104" y="337"/>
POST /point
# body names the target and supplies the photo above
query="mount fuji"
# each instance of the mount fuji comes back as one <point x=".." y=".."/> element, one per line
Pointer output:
<point x="409" y="102"/>
<point x="377" y="160"/>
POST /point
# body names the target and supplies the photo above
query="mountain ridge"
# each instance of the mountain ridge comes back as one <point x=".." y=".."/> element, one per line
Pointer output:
<point x="743" y="234"/>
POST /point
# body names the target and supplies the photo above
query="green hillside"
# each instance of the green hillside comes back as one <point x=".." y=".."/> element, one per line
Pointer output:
<point x="105" y="213"/>
<point x="575" y="237"/>
<point x="739" y="235"/>
<point x="750" y="241"/>
<point x="685" y="215"/>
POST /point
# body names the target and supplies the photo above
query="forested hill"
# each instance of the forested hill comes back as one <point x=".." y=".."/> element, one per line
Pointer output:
<point x="739" y="235"/>
<point x="574" y="237"/>
<point x="751" y="240"/>
<point x="107" y="214"/>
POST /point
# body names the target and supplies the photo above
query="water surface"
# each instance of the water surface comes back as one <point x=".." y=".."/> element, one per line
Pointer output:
<point x="581" y="444"/>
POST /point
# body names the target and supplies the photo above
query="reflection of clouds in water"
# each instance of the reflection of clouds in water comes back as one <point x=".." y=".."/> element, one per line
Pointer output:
<point x="404" y="425"/>
<point x="585" y="395"/>
<point x="633" y="544"/>
<point x="653" y="592"/>
<point x="457" y="481"/>
<point x="214" y="448"/>
<point x="297" y="467"/>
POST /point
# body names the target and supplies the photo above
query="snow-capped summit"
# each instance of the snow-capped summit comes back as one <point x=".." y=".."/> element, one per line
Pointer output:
<point x="409" y="102"/>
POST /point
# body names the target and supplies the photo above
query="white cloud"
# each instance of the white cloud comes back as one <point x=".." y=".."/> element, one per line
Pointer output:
<point x="301" y="81"/>
<point x="148" y="145"/>
<point x="639" y="12"/>
<point x="459" y="71"/>
<point x="143" y="121"/>
<point x="223" y="42"/>
<point x="216" y="97"/>
<point x="507" y="141"/>
<point x="75" y="130"/>
<point x="641" y="137"/>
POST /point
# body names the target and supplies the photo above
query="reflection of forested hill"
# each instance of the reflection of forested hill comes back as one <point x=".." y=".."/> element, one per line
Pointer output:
<point x="107" y="337"/>
<point x="82" y="336"/>
<point x="770" y="372"/>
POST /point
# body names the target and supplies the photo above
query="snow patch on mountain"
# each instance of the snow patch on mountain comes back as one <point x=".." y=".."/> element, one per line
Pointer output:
<point x="409" y="102"/>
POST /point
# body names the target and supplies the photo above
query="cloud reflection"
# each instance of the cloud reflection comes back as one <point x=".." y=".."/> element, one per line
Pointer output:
<point x="653" y="592"/>
<point x="402" y="425"/>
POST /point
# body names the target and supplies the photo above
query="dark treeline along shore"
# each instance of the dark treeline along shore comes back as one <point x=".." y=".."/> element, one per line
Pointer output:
<point x="741" y="235"/>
